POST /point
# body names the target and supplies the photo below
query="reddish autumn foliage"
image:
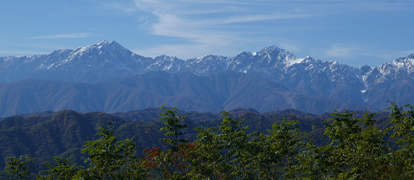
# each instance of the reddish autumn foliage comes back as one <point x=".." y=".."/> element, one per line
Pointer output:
<point x="169" y="164"/>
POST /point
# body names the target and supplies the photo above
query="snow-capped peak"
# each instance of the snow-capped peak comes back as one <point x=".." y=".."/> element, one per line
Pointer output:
<point x="166" y="57"/>
<point x="103" y="42"/>
<point x="270" y="49"/>
<point x="405" y="64"/>
<point x="61" y="50"/>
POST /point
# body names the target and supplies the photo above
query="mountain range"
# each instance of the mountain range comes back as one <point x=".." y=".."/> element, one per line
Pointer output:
<point x="110" y="78"/>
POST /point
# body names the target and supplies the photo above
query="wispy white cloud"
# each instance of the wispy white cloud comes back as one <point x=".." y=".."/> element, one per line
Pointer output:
<point x="340" y="51"/>
<point x="290" y="47"/>
<point x="192" y="31"/>
<point x="387" y="55"/>
<point x="204" y="27"/>
<point x="220" y="1"/>
<point x="123" y="7"/>
<point x="180" y="51"/>
<point x="207" y="32"/>
<point x="408" y="52"/>
<point x="364" y="55"/>
<point x="17" y="53"/>
<point x="67" y="36"/>
<point x="262" y="17"/>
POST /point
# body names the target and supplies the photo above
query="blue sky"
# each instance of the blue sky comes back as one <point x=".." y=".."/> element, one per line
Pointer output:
<point x="355" y="32"/>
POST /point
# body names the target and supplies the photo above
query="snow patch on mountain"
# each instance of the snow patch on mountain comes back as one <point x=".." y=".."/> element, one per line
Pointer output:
<point x="106" y="60"/>
<point x="295" y="61"/>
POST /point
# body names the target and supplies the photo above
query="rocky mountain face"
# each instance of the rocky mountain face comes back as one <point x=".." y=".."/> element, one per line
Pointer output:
<point x="391" y="81"/>
<point x="214" y="93"/>
<point x="93" y="63"/>
<point x="369" y="87"/>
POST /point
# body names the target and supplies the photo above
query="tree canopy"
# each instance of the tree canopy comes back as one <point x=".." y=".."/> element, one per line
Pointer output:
<point x="354" y="148"/>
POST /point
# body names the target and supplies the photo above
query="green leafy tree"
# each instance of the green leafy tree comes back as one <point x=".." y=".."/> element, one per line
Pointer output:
<point x="227" y="150"/>
<point x="279" y="151"/>
<point x="402" y="166"/>
<point x="173" y="128"/>
<point x="110" y="158"/>
<point x="62" y="170"/>
<point x="357" y="149"/>
<point x="174" y="163"/>
<point x="211" y="162"/>
<point x="19" y="167"/>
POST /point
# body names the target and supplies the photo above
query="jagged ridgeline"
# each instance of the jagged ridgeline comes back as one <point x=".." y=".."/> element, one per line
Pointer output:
<point x="109" y="78"/>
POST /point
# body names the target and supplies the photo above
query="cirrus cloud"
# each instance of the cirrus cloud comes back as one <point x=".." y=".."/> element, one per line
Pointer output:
<point x="60" y="36"/>
<point x="340" y="51"/>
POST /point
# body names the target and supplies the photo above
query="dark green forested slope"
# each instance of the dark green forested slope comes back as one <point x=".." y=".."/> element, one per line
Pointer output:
<point x="241" y="144"/>
<point x="64" y="133"/>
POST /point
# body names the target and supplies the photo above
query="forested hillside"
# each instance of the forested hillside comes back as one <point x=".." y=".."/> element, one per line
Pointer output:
<point x="241" y="144"/>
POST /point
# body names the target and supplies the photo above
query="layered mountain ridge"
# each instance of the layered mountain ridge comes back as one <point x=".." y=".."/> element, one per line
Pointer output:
<point x="370" y="87"/>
